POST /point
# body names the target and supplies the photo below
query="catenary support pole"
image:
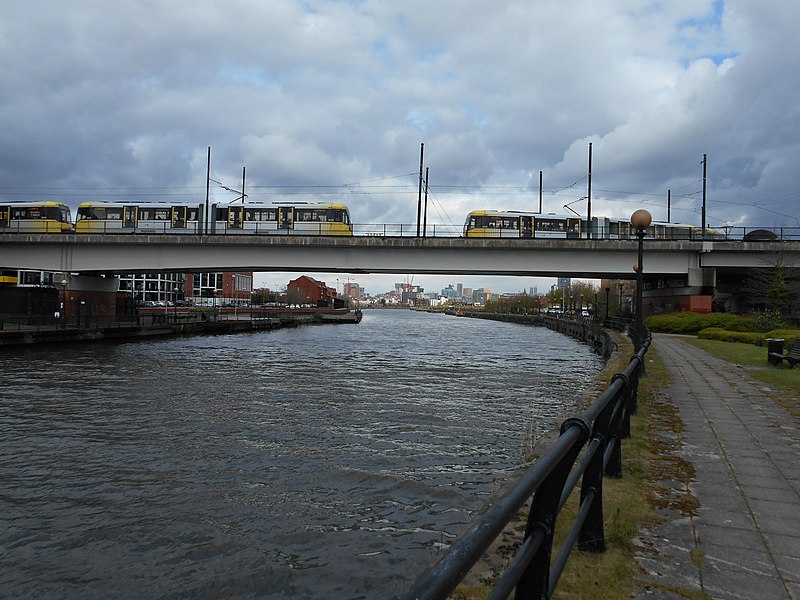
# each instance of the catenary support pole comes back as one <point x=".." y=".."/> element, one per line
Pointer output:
<point x="419" y="196"/>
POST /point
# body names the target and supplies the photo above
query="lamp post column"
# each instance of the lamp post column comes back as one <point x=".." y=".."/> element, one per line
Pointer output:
<point x="641" y="220"/>
<point x="639" y="281"/>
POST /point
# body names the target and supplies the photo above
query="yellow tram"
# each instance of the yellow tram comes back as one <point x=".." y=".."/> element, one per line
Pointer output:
<point x="35" y="217"/>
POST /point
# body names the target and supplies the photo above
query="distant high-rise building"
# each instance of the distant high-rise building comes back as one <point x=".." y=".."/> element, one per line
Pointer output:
<point x="352" y="289"/>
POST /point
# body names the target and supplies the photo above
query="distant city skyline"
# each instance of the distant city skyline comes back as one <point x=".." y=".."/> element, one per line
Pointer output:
<point x="376" y="284"/>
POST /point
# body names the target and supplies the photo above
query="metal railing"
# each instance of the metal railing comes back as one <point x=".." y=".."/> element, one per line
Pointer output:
<point x="588" y="449"/>
<point x="406" y="230"/>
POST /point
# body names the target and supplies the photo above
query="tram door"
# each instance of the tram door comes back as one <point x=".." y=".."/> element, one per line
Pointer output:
<point x="573" y="228"/>
<point x="235" y="217"/>
<point x="179" y="217"/>
<point x="526" y="227"/>
<point x="129" y="216"/>
<point x="285" y="217"/>
<point x="5" y="216"/>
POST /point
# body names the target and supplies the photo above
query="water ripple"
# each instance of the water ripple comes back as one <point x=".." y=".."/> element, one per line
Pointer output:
<point x="315" y="462"/>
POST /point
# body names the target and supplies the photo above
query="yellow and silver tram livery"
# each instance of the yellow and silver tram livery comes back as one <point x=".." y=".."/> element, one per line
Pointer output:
<point x="35" y="217"/>
<point x="151" y="217"/>
<point x="512" y="224"/>
<point x="282" y="219"/>
<point x="253" y="219"/>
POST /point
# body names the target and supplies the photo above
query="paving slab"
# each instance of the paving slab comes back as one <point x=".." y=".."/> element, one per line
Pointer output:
<point x="743" y="541"/>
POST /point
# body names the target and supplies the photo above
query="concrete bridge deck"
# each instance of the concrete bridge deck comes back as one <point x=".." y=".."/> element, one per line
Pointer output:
<point x="455" y="256"/>
<point x="743" y="542"/>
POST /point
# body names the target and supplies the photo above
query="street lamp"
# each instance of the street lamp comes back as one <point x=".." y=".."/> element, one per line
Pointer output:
<point x="641" y="220"/>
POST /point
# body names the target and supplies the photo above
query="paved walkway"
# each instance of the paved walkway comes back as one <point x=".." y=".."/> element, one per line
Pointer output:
<point x="743" y="542"/>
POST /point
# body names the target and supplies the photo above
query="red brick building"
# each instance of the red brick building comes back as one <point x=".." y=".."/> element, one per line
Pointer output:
<point x="307" y="290"/>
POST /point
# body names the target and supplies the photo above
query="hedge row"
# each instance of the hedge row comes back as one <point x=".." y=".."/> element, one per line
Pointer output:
<point x="745" y="337"/>
<point x="692" y="323"/>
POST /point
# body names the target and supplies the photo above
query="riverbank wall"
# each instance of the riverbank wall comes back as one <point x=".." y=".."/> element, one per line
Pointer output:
<point x="161" y="324"/>
<point x="586" y="331"/>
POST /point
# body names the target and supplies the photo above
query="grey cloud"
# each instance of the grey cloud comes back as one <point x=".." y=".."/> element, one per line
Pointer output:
<point x="336" y="93"/>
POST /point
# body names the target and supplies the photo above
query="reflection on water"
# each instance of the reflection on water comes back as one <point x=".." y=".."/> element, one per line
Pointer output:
<point x="319" y="462"/>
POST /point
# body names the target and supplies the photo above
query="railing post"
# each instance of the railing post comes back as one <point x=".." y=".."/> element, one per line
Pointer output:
<point x="591" y="537"/>
<point x="535" y="582"/>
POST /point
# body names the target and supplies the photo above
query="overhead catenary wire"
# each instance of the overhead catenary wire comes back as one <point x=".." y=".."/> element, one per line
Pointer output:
<point x="373" y="187"/>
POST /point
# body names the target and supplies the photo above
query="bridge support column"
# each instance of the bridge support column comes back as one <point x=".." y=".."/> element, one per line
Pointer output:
<point x="702" y="277"/>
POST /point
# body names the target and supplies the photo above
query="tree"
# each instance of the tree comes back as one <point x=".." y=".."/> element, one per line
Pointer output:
<point x="780" y="294"/>
<point x="773" y="288"/>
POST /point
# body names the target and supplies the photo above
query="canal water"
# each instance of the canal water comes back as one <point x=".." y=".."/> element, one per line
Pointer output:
<point x="327" y="462"/>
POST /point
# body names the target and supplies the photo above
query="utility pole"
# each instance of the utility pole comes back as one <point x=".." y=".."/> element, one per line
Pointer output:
<point x="208" y="191"/>
<point x="703" y="216"/>
<point x="425" y="213"/>
<point x="669" y="205"/>
<point x="243" y="171"/>
<point x="419" y="197"/>
<point x="540" y="192"/>
<point x="589" y="198"/>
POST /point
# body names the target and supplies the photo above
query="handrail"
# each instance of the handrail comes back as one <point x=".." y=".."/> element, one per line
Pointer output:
<point x="588" y="448"/>
<point x="407" y="230"/>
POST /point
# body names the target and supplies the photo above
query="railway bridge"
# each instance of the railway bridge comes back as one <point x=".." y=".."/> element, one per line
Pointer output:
<point x="699" y="261"/>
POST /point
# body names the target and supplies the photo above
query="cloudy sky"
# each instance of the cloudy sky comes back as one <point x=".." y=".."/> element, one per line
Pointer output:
<point x="332" y="100"/>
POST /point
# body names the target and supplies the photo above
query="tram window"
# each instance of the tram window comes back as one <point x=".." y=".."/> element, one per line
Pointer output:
<point x="22" y="213"/>
<point x="31" y="277"/>
<point x="261" y="215"/>
<point x="111" y="214"/>
<point x="549" y="225"/>
<point x="310" y="214"/>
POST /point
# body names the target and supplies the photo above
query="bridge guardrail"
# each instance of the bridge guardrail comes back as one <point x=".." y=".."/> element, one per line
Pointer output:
<point x="436" y="230"/>
<point x="588" y="449"/>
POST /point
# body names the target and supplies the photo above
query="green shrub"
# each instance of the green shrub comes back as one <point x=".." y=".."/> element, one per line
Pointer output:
<point x="686" y="322"/>
<point x="746" y="337"/>
<point x="725" y="335"/>
<point x="692" y="323"/>
<point x="786" y="334"/>
<point x="769" y="319"/>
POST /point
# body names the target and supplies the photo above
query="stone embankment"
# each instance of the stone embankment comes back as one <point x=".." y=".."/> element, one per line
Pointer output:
<point x="583" y="330"/>
<point x="166" y="324"/>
